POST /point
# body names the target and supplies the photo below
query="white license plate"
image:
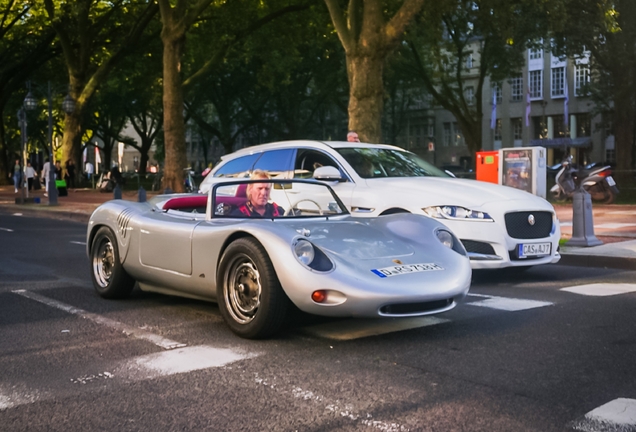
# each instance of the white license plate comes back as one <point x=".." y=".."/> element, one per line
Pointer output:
<point x="406" y="269"/>
<point x="610" y="181"/>
<point x="534" y="249"/>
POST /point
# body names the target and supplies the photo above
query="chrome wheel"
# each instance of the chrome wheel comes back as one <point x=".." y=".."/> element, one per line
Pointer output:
<point x="242" y="289"/>
<point x="103" y="263"/>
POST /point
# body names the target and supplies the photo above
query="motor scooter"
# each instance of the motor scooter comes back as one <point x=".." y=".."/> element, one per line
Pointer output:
<point x="597" y="181"/>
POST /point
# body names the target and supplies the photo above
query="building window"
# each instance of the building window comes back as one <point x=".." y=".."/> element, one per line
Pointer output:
<point x="469" y="95"/>
<point x="431" y="127"/>
<point x="583" y="125"/>
<point x="457" y="134"/>
<point x="610" y="156"/>
<point x="498" y="130"/>
<point x="517" y="129"/>
<point x="496" y="90"/>
<point x="558" y="122"/>
<point x="469" y="61"/>
<point x="536" y="54"/>
<point x="516" y="88"/>
<point x="558" y="83"/>
<point x="447" y="134"/>
<point x="540" y="127"/>
<point x="535" y="82"/>
<point x="581" y="79"/>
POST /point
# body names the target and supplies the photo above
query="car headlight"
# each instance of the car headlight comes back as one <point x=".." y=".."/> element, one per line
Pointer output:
<point x="456" y="213"/>
<point x="445" y="237"/>
<point x="304" y="251"/>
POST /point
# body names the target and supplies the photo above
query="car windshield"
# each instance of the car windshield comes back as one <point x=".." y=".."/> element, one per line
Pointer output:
<point x="274" y="199"/>
<point x="382" y="162"/>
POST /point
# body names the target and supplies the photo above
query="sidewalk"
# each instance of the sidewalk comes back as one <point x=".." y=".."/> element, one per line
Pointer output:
<point x="614" y="225"/>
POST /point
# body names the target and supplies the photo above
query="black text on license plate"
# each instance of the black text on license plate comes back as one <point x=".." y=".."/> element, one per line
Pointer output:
<point x="405" y="269"/>
<point x="534" y="249"/>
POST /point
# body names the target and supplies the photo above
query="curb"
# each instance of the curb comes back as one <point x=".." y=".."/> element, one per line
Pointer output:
<point x="598" y="261"/>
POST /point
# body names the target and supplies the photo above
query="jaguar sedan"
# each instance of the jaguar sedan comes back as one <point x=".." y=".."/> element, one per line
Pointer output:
<point x="498" y="225"/>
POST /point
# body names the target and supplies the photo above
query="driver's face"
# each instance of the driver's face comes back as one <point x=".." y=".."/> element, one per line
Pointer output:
<point x="259" y="194"/>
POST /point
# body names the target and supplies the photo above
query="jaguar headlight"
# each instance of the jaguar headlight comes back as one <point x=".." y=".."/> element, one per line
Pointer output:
<point x="304" y="251"/>
<point x="456" y="213"/>
<point x="445" y="237"/>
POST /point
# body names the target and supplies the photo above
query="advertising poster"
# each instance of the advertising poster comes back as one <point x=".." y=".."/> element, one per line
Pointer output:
<point x="517" y="169"/>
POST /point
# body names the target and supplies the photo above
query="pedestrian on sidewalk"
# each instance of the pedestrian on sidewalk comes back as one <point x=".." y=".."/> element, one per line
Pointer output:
<point x="89" y="169"/>
<point x="17" y="175"/>
<point x="29" y="173"/>
<point x="46" y="170"/>
<point x="70" y="174"/>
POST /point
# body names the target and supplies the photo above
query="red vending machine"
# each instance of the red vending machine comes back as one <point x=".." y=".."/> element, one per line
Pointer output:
<point x="487" y="166"/>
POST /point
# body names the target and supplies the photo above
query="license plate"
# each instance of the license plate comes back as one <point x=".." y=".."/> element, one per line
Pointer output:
<point x="406" y="269"/>
<point x="610" y="181"/>
<point x="534" y="249"/>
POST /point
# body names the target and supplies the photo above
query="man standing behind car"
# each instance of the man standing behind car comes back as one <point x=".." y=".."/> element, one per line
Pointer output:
<point x="257" y="204"/>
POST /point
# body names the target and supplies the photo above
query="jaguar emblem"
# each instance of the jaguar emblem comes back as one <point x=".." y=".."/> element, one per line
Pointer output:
<point x="531" y="220"/>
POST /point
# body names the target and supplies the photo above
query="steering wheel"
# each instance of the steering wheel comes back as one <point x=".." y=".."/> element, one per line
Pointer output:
<point x="291" y="209"/>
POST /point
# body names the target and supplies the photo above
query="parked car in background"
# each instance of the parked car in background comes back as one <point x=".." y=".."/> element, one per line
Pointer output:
<point x="499" y="226"/>
<point x="310" y="253"/>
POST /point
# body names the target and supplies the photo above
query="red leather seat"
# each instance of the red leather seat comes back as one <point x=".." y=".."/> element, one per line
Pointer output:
<point x="187" y="203"/>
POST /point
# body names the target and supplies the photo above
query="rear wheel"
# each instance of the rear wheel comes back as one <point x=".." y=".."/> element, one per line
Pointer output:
<point x="250" y="297"/>
<point x="109" y="277"/>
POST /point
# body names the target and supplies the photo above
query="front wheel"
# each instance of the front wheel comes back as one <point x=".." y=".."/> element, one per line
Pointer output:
<point x="251" y="299"/>
<point x="109" y="277"/>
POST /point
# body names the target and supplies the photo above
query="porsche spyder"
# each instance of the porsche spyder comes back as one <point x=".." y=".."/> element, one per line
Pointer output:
<point x="310" y="253"/>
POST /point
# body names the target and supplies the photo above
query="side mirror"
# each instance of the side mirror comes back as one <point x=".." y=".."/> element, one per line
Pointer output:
<point x="328" y="173"/>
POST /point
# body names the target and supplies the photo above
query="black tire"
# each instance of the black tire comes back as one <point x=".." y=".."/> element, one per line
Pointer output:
<point x="250" y="297"/>
<point x="601" y="194"/>
<point x="109" y="277"/>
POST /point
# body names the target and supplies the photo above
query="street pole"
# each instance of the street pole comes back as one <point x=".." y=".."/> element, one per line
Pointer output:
<point x="23" y="132"/>
<point x="52" y="187"/>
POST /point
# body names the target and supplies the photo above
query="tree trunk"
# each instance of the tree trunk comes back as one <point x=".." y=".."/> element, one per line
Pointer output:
<point x="366" y="91"/>
<point x="624" y="115"/>
<point x="173" y="124"/>
<point x="71" y="141"/>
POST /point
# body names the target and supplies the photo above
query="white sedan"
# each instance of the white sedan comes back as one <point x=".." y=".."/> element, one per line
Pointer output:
<point x="498" y="225"/>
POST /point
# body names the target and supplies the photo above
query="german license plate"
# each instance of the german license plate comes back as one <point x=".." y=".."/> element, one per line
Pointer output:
<point x="406" y="269"/>
<point x="534" y="249"/>
<point x="610" y="181"/>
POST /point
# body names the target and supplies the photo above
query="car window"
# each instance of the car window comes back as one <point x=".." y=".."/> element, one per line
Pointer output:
<point x="379" y="162"/>
<point x="239" y="167"/>
<point x="308" y="160"/>
<point x="275" y="162"/>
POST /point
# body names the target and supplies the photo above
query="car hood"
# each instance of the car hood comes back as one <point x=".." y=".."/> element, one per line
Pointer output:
<point x="449" y="191"/>
<point x="353" y="240"/>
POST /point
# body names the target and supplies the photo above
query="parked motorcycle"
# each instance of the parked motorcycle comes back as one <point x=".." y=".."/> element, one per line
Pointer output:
<point x="597" y="181"/>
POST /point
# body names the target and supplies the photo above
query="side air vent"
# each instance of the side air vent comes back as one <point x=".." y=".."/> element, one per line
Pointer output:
<point x="123" y="220"/>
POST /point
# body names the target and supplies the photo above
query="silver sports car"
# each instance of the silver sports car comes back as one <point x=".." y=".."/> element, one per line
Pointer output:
<point x="258" y="246"/>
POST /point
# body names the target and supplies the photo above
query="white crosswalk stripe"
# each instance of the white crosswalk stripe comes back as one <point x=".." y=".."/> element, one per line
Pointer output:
<point x="601" y="289"/>
<point x="618" y="415"/>
<point x="507" y="304"/>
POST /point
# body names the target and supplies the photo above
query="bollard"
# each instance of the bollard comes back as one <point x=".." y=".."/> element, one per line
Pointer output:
<point x="582" y="221"/>
<point x="141" y="194"/>
<point x="117" y="192"/>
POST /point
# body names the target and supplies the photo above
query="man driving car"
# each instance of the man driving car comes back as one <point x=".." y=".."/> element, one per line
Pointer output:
<point x="257" y="204"/>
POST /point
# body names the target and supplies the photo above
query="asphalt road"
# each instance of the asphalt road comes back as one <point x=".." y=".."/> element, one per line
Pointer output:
<point x="521" y="354"/>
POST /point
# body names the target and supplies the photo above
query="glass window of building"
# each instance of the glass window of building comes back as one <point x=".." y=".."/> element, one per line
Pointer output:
<point x="496" y="90"/>
<point x="581" y="79"/>
<point x="516" y="88"/>
<point x="583" y="125"/>
<point x="517" y="128"/>
<point x="498" y="130"/>
<point x="431" y="127"/>
<point x="447" y="134"/>
<point x="469" y="95"/>
<point x="469" y="61"/>
<point x="536" y="54"/>
<point x="539" y="127"/>
<point x="535" y="81"/>
<point x="558" y="82"/>
<point x="558" y="123"/>
<point x="457" y="134"/>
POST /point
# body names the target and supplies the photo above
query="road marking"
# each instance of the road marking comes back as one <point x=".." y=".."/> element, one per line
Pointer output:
<point x="6" y="229"/>
<point x="618" y="415"/>
<point x="601" y="289"/>
<point x="79" y="243"/>
<point x="17" y="214"/>
<point x="360" y="328"/>
<point x="338" y="408"/>
<point x="507" y="304"/>
<point x="127" y="330"/>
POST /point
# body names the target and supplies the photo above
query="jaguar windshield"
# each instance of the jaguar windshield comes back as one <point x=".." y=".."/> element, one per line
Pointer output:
<point x="381" y="162"/>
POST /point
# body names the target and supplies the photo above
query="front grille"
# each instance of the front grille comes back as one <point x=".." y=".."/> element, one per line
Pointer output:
<point x="478" y="247"/>
<point x="518" y="226"/>
<point x="414" y="308"/>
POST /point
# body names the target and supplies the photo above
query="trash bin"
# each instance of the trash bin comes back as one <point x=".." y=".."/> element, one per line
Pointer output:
<point x="61" y="187"/>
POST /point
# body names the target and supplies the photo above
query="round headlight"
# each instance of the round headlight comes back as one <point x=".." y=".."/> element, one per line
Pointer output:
<point x="304" y="251"/>
<point x="446" y="238"/>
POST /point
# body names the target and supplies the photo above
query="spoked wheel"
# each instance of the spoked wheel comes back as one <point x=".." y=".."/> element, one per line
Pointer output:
<point x="250" y="297"/>
<point x="109" y="277"/>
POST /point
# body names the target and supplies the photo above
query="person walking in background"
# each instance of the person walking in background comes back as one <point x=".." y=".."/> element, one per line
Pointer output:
<point x="70" y="174"/>
<point x="352" y="137"/>
<point x="29" y="173"/>
<point x="17" y="175"/>
<point x="46" y="170"/>
<point x="89" y="169"/>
